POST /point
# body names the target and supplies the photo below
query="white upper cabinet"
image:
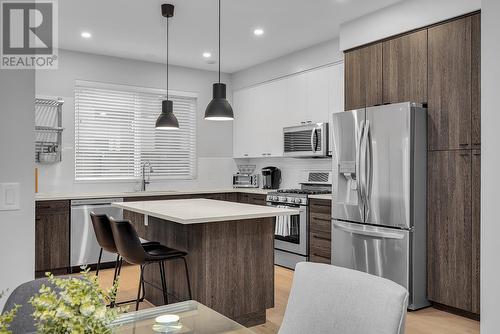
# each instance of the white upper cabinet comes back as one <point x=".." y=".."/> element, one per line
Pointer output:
<point x="243" y="102"/>
<point x="261" y="112"/>
<point x="296" y="100"/>
<point x="318" y="94"/>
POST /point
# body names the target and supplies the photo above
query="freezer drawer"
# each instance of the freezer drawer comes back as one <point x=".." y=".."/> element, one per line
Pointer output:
<point x="376" y="250"/>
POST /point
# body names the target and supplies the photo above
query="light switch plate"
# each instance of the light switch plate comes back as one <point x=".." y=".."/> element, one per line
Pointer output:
<point x="9" y="196"/>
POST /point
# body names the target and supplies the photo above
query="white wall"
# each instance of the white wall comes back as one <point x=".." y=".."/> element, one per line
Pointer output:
<point x="17" y="228"/>
<point x="490" y="166"/>
<point x="214" y="139"/>
<point x="401" y="17"/>
<point x="299" y="61"/>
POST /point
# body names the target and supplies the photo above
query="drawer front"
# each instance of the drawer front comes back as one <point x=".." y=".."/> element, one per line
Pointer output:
<point x="256" y="199"/>
<point x="49" y="207"/>
<point x="243" y="198"/>
<point x="320" y="245"/>
<point x="321" y="224"/>
<point x="321" y="206"/>
<point x="319" y="259"/>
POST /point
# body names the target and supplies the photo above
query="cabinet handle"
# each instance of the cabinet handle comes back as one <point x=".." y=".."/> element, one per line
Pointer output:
<point x="463" y="144"/>
<point x="321" y="238"/>
<point x="318" y="255"/>
<point x="245" y="155"/>
<point x="320" y="219"/>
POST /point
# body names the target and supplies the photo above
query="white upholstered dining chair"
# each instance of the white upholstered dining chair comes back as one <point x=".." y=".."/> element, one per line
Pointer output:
<point x="328" y="299"/>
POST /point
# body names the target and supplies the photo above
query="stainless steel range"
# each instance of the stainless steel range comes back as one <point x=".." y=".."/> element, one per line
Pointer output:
<point x="291" y="233"/>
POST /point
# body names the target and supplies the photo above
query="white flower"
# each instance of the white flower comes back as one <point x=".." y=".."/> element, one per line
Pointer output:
<point x="87" y="309"/>
<point x="66" y="297"/>
<point x="63" y="312"/>
<point x="100" y="313"/>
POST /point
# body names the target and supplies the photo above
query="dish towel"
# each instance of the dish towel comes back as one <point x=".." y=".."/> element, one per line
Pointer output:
<point x="283" y="226"/>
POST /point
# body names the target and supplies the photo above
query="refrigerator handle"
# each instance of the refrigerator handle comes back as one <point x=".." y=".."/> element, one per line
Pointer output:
<point x="363" y="170"/>
<point x="369" y="169"/>
<point x="367" y="165"/>
<point x="359" y="169"/>
<point x="368" y="231"/>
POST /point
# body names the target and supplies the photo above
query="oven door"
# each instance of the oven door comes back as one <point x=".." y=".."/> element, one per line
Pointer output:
<point x="296" y="242"/>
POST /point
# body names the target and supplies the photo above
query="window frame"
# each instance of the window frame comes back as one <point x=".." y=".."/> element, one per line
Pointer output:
<point x="136" y="89"/>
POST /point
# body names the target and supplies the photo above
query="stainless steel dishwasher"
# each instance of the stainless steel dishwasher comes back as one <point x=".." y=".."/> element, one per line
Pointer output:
<point x="84" y="246"/>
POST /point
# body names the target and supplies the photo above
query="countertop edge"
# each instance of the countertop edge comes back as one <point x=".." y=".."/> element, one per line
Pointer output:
<point x="59" y="197"/>
<point x="200" y="220"/>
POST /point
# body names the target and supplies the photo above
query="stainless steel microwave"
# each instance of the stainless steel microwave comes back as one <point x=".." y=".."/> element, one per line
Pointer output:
<point x="306" y="141"/>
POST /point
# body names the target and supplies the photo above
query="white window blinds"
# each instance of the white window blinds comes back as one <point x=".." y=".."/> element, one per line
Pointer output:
<point x="115" y="133"/>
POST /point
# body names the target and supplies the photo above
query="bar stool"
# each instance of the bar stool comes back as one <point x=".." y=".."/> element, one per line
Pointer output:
<point x="130" y="248"/>
<point x="104" y="236"/>
<point x="105" y="239"/>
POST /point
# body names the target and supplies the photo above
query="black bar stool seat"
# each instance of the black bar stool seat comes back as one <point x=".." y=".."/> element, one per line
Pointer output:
<point x="160" y="252"/>
<point x="130" y="248"/>
<point x="105" y="239"/>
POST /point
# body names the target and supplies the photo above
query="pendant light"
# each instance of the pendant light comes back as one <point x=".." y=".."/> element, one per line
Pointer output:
<point x="219" y="108"/>
<point x="167" y="119"/>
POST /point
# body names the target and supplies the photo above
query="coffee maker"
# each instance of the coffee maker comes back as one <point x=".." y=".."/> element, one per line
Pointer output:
<point x="271" y="177"/>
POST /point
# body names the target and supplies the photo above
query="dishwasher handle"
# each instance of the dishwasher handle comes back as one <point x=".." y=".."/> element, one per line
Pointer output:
<point x="95" y="201"/>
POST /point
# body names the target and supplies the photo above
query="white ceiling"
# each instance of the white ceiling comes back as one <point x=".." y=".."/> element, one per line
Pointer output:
<point x="135" y="28"/>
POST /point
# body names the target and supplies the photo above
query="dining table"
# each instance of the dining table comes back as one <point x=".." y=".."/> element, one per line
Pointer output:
<point x="194" y="318"/>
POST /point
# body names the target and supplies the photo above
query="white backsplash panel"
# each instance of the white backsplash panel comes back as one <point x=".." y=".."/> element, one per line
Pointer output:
<point x="290" y="167"/>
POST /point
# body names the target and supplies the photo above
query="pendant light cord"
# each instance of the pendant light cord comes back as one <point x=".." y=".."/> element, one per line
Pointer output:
<point x="219" y="41"/>
<point x="167" y="57"/>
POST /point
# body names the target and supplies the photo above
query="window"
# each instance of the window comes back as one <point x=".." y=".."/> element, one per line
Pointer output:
<point x="115" y="133"/>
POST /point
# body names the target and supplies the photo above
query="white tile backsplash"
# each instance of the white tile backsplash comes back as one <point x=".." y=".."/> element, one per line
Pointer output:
<point x="290" y="167"/>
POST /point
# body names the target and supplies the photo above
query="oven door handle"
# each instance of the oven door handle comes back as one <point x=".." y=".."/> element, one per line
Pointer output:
<point x="300" y="208"/>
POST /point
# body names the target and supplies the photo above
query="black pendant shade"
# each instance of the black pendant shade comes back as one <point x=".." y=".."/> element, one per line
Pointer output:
<point x="167" y="119"/>
<point x="219" y="108"/>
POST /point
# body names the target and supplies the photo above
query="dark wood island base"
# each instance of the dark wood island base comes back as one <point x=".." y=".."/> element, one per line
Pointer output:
<point x="231" y="265"/>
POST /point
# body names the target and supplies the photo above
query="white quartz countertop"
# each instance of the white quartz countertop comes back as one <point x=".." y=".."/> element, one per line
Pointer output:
<point x="200" y="210"/>
<point x="125" y="194"/>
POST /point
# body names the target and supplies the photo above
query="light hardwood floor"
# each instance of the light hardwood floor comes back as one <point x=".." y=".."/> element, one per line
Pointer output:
<point x="426" y="321"/>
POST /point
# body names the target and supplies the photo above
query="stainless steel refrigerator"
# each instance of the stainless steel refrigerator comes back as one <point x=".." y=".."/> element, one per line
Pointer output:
<point x="379" y="201"/>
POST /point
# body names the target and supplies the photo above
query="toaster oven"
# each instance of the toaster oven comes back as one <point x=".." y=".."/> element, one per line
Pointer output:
<point x="245" y="180"/>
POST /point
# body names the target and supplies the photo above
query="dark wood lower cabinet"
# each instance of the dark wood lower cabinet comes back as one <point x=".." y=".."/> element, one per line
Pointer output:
<point x="450" y="229"/>
<point x="231" y="266"/>
<point x="320" y="231"/>
<point x="52" y="226"/>
<point x="52" y="234"/>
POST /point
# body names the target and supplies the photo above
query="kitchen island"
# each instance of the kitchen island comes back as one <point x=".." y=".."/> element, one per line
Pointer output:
<point x="231" y="253"/>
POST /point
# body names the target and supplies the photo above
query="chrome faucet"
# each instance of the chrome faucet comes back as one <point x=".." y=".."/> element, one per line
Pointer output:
<point x="150" y="170"/>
